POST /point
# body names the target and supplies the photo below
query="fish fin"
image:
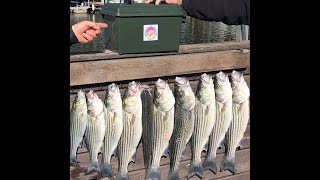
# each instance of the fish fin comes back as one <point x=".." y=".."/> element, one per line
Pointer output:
<point x="210" y="163"/>
<point x="153" y="174"/>
<point x="115" y="116"/>
<point x="133" y="119"/>
<point x="166" y="117"/>
<point x="84" y="144"/>
<point x="114" y="153"/>
<point x="207" y="111"/>
<point x="240" y="145"/>
<point x="195" y="169"/>
<point x="241" y="106"/>
<point x="94" y="166"/>
<point x="122" y="176"/>
<point x="228" y="163"/>
<point x="73" y="160"/>
<point x="81" y="144"/>
<point x="133" y="158"/>
<point x="106" y="170"/>
<point x="184" y="152"/>
<point x="173" y="175"/>
<point x="223" y="109"/>
<point x="222" y="143"/>
<point x="100" y="150"/>
<point x="166" y="152"/>
<point x="205" y="147"/>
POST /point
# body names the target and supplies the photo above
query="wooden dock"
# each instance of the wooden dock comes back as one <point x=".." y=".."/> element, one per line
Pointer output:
<point x="96" y="71"/>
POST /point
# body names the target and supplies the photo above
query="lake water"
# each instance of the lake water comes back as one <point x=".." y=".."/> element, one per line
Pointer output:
<point x="193" y="31"/>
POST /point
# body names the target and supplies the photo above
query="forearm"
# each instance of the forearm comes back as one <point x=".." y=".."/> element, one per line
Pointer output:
<point x="231" y="12"/>
<point x="73" y="38"/>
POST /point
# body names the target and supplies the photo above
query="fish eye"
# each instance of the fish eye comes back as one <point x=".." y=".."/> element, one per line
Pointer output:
<point x="158" y="94"/>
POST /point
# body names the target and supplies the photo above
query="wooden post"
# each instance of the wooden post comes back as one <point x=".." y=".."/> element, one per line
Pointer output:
<point x="238" y="33"/>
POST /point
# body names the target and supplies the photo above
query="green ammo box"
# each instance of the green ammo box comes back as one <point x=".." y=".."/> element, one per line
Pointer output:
<point x="142" y="28"/>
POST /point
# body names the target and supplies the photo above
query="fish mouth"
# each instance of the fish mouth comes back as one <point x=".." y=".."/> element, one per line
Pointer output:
<point x="81" y="93"/>
<point x="112" y="87"/>
<point x="90" y="94"/>
<point x="235" y="75"/>
<point x="205" y="78"/>
<point x="161" y="84"/>
<point x="181" y="81"/>
<point x="133" y="88"/>
<point x="221" y="76"/>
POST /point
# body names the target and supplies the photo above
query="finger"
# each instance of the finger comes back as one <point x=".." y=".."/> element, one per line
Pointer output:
<point x="102" y="25"/>
<point x="98" y="31"/>
<point x="92" y="33"/>
<point x="149" y="1"/>
<point x="92" y="24"/>
<point x="87" y="36"/>
<point x="83" y="40"/>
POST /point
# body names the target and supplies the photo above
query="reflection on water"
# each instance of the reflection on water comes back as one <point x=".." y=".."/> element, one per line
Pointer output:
<point x="193" y="31"/>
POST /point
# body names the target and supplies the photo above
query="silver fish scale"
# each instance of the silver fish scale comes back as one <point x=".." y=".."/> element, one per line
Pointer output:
<point x="94" y="135"/>
<point x="78" y="125"/>
<point x="161" y="130"/>
<point x="124" y="147"/>
<point x="112" y="134"/>
<point x="183" y="128"/>
<point x="203" y="125"/>
<point x="223" y="120"/>
<point x="237" y="127"/>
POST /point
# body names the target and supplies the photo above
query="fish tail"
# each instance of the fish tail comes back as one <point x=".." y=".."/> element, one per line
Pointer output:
<point x="153" y="174"/>
<point x="93" y="166"/>
<point x="228" y="163"/>
<point x="122" y="176"/>
<point x="210" y="163"/>
<point x="195" y="169"/>
<point x="173" y="175"/>
<point x="166" y="153"/>
<point x="240" y="145"/>
<point x="73" y="160"/>
<point x="106" y="170"/>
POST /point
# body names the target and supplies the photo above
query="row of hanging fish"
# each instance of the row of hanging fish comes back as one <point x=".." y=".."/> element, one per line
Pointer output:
<point x="166" y="122"/>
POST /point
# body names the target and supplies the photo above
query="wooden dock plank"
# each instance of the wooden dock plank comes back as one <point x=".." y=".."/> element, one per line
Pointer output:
<point x="240" y="176"/>
<point x="242" y="160"/>
<point x="83" y="159"/>
<point x="183" y="49"/>
<point x="103" y="71"/>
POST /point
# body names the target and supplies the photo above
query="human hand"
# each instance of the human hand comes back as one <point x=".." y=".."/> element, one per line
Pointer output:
<point x="85" y="31"/>
<point x="179" y="2"/>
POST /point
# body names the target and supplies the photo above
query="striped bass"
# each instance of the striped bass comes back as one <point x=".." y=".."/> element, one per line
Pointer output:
<point x="78" y="124"/>
<point x="205" y="117"/>
<point x="95" y="130"/>
<point x="240" y="109"/>
<point x="183" y="123"/>
<point x="114" y="127"/>
<point x="223" y="93"/>
<point x="160" y="127"/>
<point x="132" y="128"/>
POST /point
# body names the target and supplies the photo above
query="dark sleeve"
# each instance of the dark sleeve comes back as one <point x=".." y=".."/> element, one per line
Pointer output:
<point x="231" y="12"/>
<point x="73" y="37"/>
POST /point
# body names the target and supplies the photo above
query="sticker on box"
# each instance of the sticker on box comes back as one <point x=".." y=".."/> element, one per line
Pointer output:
<point x="150" y="32"/>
